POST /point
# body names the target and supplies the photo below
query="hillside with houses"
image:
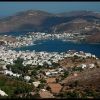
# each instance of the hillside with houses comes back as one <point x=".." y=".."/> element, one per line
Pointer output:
<point x="49" y="75"/>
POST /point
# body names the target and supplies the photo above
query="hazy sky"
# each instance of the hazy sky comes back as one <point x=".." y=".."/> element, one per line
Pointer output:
<point x="9" y="8"/>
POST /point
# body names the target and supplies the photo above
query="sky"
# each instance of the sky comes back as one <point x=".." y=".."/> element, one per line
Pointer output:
<point x="10" y="8"/>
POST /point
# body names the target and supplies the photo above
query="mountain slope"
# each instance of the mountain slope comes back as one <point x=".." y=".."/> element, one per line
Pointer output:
<point x="36" y="20"/>
<point x="23" y="21"/>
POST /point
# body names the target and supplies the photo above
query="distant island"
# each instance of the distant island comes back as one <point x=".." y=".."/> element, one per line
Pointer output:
<point x="81" y="22"/>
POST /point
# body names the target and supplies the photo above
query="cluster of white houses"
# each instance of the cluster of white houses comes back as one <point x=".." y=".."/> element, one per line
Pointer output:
<point x="38" y="58"/>
<point x="29" y="39"/>
<point x="8" y="56"/>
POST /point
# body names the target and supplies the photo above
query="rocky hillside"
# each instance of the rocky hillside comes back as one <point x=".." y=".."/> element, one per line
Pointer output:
<point x="95" y="38"/>
<point x="85" y="84"/>
<point x="36" y="20"/>
<point x="86" y="78"/>
<point x="24" y="21"/>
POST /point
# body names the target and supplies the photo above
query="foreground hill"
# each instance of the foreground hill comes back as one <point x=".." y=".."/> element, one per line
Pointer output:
<point x="85" y="85"/>
<point x="87" y="78"/>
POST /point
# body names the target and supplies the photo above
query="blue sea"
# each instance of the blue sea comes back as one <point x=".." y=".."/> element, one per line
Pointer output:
<point x="58" y="45"/>
<point x="62" y="46"/>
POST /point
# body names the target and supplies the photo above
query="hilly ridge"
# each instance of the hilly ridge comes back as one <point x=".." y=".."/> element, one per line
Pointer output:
<point x="41" y="21"/>
<point x="36" y="20"/>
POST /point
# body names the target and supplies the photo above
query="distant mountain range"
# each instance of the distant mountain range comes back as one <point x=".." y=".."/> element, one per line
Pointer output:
<point x="40" y="21"/>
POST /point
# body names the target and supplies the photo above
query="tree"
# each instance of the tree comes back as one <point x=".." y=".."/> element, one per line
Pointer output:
<point x="18" y="61"/>
<point x="66" y="73"/>
<point x="8" y="66"/>
<point x="77" y="68"/>
<point x="43" y="80"/>
<point x="74" y="84"/>
<point x="45" y="65"/>
<point x="41" y="85"/>
<point x="70" y="94"/>
<point x="34" y="72"/>
<point x="48" y="88"/>
<point x="55" y="64"/>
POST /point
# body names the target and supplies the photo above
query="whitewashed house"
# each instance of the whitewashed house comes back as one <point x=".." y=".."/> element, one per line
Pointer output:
<point x="2" y="93"/>
<point x="36" y="84"/>
<point x="27" y="78"/>
<point x="91" y="65"/>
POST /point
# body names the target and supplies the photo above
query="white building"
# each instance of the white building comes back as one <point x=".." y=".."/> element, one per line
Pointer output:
<point x="2" y="93"/>
<point x="91" y="65"/>
<point x="27" y="78"/>
<point x="83" y="66"/>
<point x="36" y="84"/>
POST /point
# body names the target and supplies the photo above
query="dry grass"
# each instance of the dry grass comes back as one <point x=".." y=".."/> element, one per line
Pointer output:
<point x="87" y="78"/>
